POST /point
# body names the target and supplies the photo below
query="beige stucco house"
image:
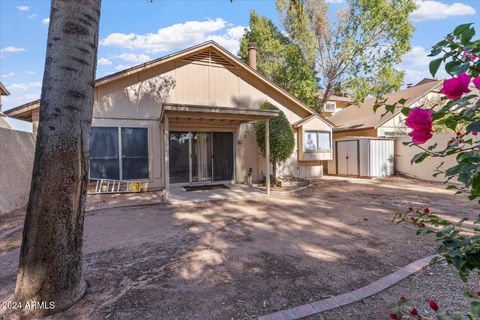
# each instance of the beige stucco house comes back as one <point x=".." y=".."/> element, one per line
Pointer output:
<point x="189" y="118"/>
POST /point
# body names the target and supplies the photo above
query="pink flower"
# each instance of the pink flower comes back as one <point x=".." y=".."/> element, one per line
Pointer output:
<point x="420" y="121"/>
<point x="455" y="87"/>
<point x="476" y="82"/>
<point x="467" y="54"/>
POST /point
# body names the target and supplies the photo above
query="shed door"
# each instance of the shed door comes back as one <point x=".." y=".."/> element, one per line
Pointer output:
<point x="347" y="158"/>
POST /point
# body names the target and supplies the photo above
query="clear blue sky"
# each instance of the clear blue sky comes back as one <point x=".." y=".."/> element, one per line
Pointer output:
<point x="134" y="31"/>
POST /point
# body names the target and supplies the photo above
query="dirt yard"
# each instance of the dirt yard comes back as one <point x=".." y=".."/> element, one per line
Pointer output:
<point x="244" y="258"/>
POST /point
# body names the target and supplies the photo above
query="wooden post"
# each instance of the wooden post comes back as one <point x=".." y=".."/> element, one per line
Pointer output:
<point x="267" y="155"/>
<point x="166" y="151"/>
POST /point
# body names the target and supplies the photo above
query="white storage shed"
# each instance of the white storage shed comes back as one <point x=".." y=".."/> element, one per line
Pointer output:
<point x="362" y="157"/>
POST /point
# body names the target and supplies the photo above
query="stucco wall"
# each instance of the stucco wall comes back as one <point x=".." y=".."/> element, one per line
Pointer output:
<point x="130" y="101"/>
<point x="425" y="169"/>
<point x="17" y="150"/>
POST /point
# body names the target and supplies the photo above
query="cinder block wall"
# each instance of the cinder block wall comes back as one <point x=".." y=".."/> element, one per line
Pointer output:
<point x="17" y="150"/>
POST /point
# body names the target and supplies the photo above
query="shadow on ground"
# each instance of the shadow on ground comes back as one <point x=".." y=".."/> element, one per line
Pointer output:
<point x="244" y="258"/>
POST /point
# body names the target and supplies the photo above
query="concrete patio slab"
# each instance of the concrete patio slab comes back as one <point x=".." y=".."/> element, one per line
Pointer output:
<point x="178" y="195"/>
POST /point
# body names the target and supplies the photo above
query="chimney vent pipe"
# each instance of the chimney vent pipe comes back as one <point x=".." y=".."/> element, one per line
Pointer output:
<point x="252" y="55"/>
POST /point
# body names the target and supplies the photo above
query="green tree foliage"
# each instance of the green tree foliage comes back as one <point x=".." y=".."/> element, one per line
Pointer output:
<point x="357" y="48"/>
<point x="279" y="59"/>
<point x="282" y="139"/>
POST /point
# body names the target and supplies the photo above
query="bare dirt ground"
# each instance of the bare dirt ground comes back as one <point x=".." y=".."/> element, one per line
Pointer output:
<point x="244" y="258"/>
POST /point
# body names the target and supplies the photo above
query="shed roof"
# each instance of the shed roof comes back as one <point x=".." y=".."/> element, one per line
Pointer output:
<point x="363" y="117"/>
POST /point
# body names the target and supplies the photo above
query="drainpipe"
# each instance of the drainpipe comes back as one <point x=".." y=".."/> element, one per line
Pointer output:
<point x="252" y="55"/>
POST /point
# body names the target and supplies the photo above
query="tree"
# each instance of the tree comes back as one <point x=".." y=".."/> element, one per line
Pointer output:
<point x="282" y="139"/>
<point x="356" y="51"/>
<point x="50" y="267"/>
<point x="279" y="59"/>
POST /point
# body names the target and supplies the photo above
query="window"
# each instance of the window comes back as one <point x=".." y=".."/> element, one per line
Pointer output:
<point x="105" y="159"/>
<point x="317" y="141"/>
<point x="330" y="106"/>
<point x="134" y="153"/>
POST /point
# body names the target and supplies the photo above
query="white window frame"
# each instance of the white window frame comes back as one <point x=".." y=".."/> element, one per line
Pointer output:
<point x="120" y="160"/>
<point x="330" y="103"/>
<point x="316" y="136"/>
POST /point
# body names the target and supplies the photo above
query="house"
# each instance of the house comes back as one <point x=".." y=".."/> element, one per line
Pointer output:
<point x="334" y="104"/>
<point x="362" y="120"/>
<point x="189" y="118"/>
<point x="3" y="92"/>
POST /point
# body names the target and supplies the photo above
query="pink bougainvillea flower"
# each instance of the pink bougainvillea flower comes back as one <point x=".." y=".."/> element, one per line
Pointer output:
<point x="414" y="312"/>
<point x="467" y="54"/>
<point x="403" y="298"/>
<point x="393" y="316"/>
<point x="426" y="210"/>
<point x="433" y="305"/>
<point x="476" y="82"/>
<point x="455" y="87"/>
<point x="474" y="133"/>
<point x="420" y="121"/>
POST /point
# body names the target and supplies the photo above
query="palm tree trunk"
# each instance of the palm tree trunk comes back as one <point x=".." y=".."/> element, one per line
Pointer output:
<point x="50" y="267"/>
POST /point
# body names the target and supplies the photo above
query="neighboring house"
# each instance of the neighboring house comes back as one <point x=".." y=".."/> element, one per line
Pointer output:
<point x="334" y="104"/>
<point x="364" y="121"/>
<point x="3" y="92"/>
<point x="190" y="118"/>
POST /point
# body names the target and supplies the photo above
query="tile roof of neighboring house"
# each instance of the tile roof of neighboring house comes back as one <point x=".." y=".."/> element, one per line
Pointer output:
<point x="363" y="116"/>
<point x="209" y="44"/>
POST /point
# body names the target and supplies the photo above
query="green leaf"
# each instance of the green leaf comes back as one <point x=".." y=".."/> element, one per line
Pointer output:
<point x="434" y="65"/>
<point x="450" y="65"/>
<point x="460" y="68"/>
<point x="475" y="309"/>
<point x="419" y="157"/>
<point x="390" y="108"/>
<point x="474" y="126"/>
<point x="405" y="111"/>
<point x="467" y="35"/>
<point x="461" y="28"/>
<point x="376" y="106"/>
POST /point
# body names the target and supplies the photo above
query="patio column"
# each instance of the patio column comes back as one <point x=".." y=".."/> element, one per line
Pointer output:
<point x="166" y="151"/>
<point x="267" y="155"/>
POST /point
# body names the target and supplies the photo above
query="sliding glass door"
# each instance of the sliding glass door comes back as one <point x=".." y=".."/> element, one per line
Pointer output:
<point x="197" y="157"/>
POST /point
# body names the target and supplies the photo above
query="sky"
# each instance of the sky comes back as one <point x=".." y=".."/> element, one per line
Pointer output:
<point x="135" y="31"/>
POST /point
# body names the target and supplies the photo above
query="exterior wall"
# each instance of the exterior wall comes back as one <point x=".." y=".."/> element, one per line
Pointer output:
<point x="425" y="169"/>
<point x="393" y="127"/>
<point x="369" y="132"/>
<point x="134" y="101"/>
<point x="17" y="150"/>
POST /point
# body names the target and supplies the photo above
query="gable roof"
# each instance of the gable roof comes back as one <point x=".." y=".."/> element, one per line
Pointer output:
<point x="225" y="54"/>
<point x="363" y="117"/>
<point x="3" y="90"/>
